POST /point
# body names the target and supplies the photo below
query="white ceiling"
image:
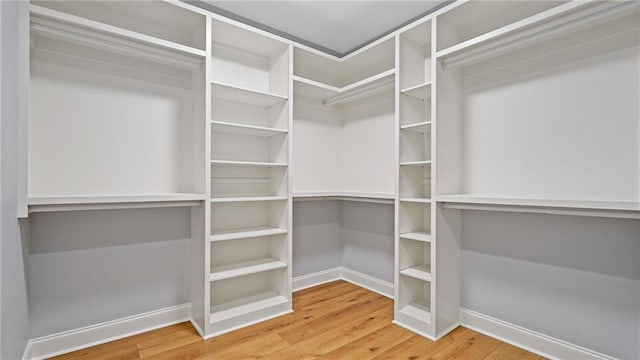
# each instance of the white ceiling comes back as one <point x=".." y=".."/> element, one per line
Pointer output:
<point x="339" y="26"/>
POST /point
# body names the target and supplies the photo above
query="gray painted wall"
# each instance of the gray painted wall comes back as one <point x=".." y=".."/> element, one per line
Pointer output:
<point x="95" y="266"/>
<point x="316" y="239"/>
<point x="14" y="315"/>
<point x="343" y="233"/>
<point x="366" y="232"/>
<point x="573" y="278"/>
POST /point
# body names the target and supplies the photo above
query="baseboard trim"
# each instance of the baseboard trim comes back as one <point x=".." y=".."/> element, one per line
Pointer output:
<point x="414" y="330"/>
<point x="317" y="278"/>
<point x="529" y="340"/>
<point x="368" y="282"/>
<point x="266" y="318"/>
<point x="68" y="341"/>
<point x="343" y="273"/>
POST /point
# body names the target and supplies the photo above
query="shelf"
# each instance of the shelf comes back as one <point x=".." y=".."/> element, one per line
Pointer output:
<point x="421" y="91"/>
<point x="534" y="28"/>
<point x="313" y="89"/>
<point x="247" y="163"/>
<point x="417" y="236"/>
<point x="246" y="233"/>
<point x="247" y="199"/>
<point x="615" y="209"/>
<point x="421" y="127"/>
<point x="245" y="268"/>
<point x="417" y="200"/>
<point x="242" y="129"/>
<point x="416" y="163"/>
<point x="331" y="95"/>
<point x="357" y="197"/>
<point x="246" y="305"/>
<point x="98" y="202"/>
<point x="420" y="272"/>
<point x="417" y="311"/>
<point x="81" y="30"/>
<point x="244" y="95"/>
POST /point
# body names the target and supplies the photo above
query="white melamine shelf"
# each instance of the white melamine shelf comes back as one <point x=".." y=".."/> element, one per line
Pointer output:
<point x="416" y="163"/>
<point x="246" y="233"/>
<point x="417" y="311"/>
<point x="417" y="236"/>
<point x="417" y="200"/>
<point x="246" y="305"/>
<point x="421" y="91"/>
<point x="346" y="196"/>
<point x="331" y="95"/>
<point x="245" y="268"/>
<point x="534" y="27"/>
<point x="421" y="127"/>
<point x="313" y="89"/>
<point x="617" y="209"/>
<point x="242" y="129"/>
<point x="247" y="199"/>
<point x="52" y="21"/>
<point x="244" y="95"/>
<point x="100" y="202"/>
<point x="247" y="163"/>
<point x="420" y="272"/>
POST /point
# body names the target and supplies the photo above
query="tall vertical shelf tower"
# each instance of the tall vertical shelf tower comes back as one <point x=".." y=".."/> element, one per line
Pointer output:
<point x="249" y="252"/>
<point x="415" y="241"/>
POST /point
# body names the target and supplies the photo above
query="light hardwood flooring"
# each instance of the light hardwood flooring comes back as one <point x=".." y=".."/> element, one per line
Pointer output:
<point x="337" y="320"/>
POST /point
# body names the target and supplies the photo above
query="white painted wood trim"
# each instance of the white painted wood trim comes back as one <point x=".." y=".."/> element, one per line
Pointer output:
<point x="317" y="278"/>
<point x="368" y="282"/>
<point x="414" y="330"/>
<point x="529" y="340"/>
<point x="68" y="341"/>
<point x="343" y="273"/>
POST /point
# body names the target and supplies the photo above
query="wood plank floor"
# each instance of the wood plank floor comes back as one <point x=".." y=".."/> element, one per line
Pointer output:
<point x="337" y="320"/>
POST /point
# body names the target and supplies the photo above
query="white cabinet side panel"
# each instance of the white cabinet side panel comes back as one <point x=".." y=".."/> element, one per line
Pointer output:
<point x="367" y="160"/>
<point x="316" y="149"/>
<point x="567" y="131"/>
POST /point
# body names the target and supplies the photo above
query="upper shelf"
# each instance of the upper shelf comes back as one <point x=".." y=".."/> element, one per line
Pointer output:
<point x="535" y="28"/>
<point x="69" y="27"/>
<point x="615" y="209"/>
<point x="244" y="95"/>
<point x="345" y="196"/>
<point x="331" y="95"/>
<point x="103" y="202"/>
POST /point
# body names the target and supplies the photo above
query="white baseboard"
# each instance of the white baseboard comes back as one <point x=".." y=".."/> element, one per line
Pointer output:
<point x="368" y="282"/>
<point x="317" y="278"/>
<point x="81" y="338"/>
<point x="342" y="273"/>
<point x="530" y="340"/>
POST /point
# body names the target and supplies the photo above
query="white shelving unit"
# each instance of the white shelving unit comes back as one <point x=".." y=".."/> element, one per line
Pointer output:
<point x="498" y="148"/>
<point x="544" y="41"/>
<point x="414" y="244"/>
<point x="103" y="132"/>
<point x="343" y="121"/>
<point x="173" y="106"/>
<point x="250" y="206"/>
